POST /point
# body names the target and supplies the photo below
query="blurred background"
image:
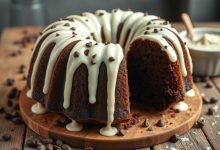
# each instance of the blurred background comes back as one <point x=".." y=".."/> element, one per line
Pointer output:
<point x="43" y="12"/>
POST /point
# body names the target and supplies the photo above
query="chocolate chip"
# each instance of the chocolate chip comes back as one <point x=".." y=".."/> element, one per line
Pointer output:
<point x="149" y="23"/>
<point x="13" y="54"/>
<point x="161" y="29"/>
<point x="40" y="33"/>
<point x="17" y="120"/>
<point x="174" y="138"/>
<point x="89" y="44"/>
<point x="2" y="109"/>
<point x="200" y="122"/>
<point x="148" y="28"/>
<point x="86" y="52"/>
<point x="73" y="28"/>
<point x="66" y="147"/>
<point x="73" y="33"/>
<point x="160" y="123"/>
<point x="155" y="31"/>
<point x="49" y="146"/>
<point x="205" y="100"/>
<point x="213" y="100"/>
<point x="101" y="14"/>
<point x="94" y="56"/>
<point x="150" y="128"/>
<point x="8" y="116"/>
<point x="146" y="123"/>
<point x="9" y="82"/>
<point x="86" y="20"/>
<point x="211" y="111"/>
<point x="121" y="132"/>
<point x="53" y="26"/>
<point x="96" y="43"/>
<point x="47" y="141"/>
<point x="6" y="137"/>
<point x="14" y="93"/>
<point x="146" y="32"/>
<point x="111" y="59"/>
<point x="208" y="85"/>
<point x="59" y="142"/>
<point x="9" y="103"/>
<point x="57" y="34"/>
<point x="67" y="24"/>
<point x="165" y="23"/>
<point x="76" y="54"/>
<point x="165" y="47"/>
<point x="93" y="62"/>
<point x="24" y="77"/>
<point x="87" y="37"/>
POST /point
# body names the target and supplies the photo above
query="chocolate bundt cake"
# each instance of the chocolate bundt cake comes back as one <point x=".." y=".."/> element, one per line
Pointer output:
<point x="90" y="66"/>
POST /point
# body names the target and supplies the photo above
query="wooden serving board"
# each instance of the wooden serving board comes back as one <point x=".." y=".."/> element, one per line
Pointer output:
<point x="136" y="136"/>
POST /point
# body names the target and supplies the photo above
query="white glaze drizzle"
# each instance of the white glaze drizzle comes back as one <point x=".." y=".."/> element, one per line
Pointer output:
<point x="38" y="108"/>
<point x="181" y="106"/>
<point x="190" y="93"/>
<point x="93" y="23"/>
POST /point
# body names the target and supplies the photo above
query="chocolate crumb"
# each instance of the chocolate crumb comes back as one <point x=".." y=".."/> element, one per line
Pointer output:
<point x="76" y="54"/>
<point x="165" y="47"/>
<point x="9" y="82"/>
<point x="148" y="28"/>
<point x="160" y="123"/>
<point x="94" y="56"/>
<point x="200" y="122"/>
<point x="101" y="14"/>
<point x="40" y="33"/>
<point x="93" y="62"/>
<point x="121" y="132"/>
<point x="205" y="100"/>
<point x="211" y="111"/>
<point x="208" y="85"/>
<point x="174" y="138"/>
<point x="13" y="54"/>
<point x="161" y="29"/>
<point x="213" y="100"/>
<point x="86" y="52"/>
<point x="57" y="34"/>
<point x="111" y="59"/>
<point x="86" y="20"/>
<point x="148" y="23"/>
<point x="146" y="32"/>
<point x="88" y="37"/>
<point x="89" y="44"/>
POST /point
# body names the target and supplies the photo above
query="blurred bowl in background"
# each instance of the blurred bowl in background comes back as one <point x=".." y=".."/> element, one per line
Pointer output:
<point x="206" y="59"/>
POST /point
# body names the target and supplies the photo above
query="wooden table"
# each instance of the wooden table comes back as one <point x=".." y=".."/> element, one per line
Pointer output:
<point x="207" y="137"/>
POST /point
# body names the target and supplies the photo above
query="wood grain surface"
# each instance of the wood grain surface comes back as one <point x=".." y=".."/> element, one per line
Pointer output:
<point x="206" y="137"/>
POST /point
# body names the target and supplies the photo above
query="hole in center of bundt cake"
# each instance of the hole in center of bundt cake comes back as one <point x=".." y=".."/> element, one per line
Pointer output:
<point x="153" y="79"/>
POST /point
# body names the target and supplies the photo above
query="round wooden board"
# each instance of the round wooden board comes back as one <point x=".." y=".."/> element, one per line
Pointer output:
<point x="136" y="136"/>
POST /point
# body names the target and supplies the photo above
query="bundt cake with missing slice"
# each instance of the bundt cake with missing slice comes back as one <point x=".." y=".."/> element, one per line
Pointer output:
<point x="90" y="66"/>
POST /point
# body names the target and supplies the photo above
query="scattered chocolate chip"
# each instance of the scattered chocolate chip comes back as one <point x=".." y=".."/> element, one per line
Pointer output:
<point x="53" y="26"/>
<point x="17" y="120"/>
<point x="111" y="59"/>
<point x="49" y="146"/>
<point x="8" y="116"/>
<point x="24" y="77"/>
<point x="96" y="43"/>
<point x="40" y="33"/>
<point x="121" y="132"/>
<point x="57" y="34"/>
<point x="155" y="31"/>
<point x="213" y="100"/>
<point x="9" y="102"/>
<point x="160" y="123"/>
<point x="2" y="109"/>
<point x="74" y="33"/>
<point x="165" y="47"/>
<point x="148" y="28"/>
<point x="6" y="137"/>
<point x="205" y="100"/>
<point x="211" y="111"/>
<point x="14" y="93"/>
<point x="94" y="56"/>
<point x="67" y="24"/>
<point x="86" y="52"/>
<point x="161" y="29"/>
<point x="184" y="43"/>
<point x="86" y="20"/>
<point x="66" y="147"/>
<point x="17" y="107"/>
<point x="146" y="123"/>
<point x="165" y="23"/>
<point x="89" y="44"/>
<point x="174" y="138"/>
<point x="59" y="142"/>
<point x="200" y="122"/>
<point x="13" y="54"/>
<point x="76" y="54"/>
<point x="87" y="37"/>
<point x="150" y="128"/>
<point x="208" y="85"/>
<point x="9" y="82"/>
